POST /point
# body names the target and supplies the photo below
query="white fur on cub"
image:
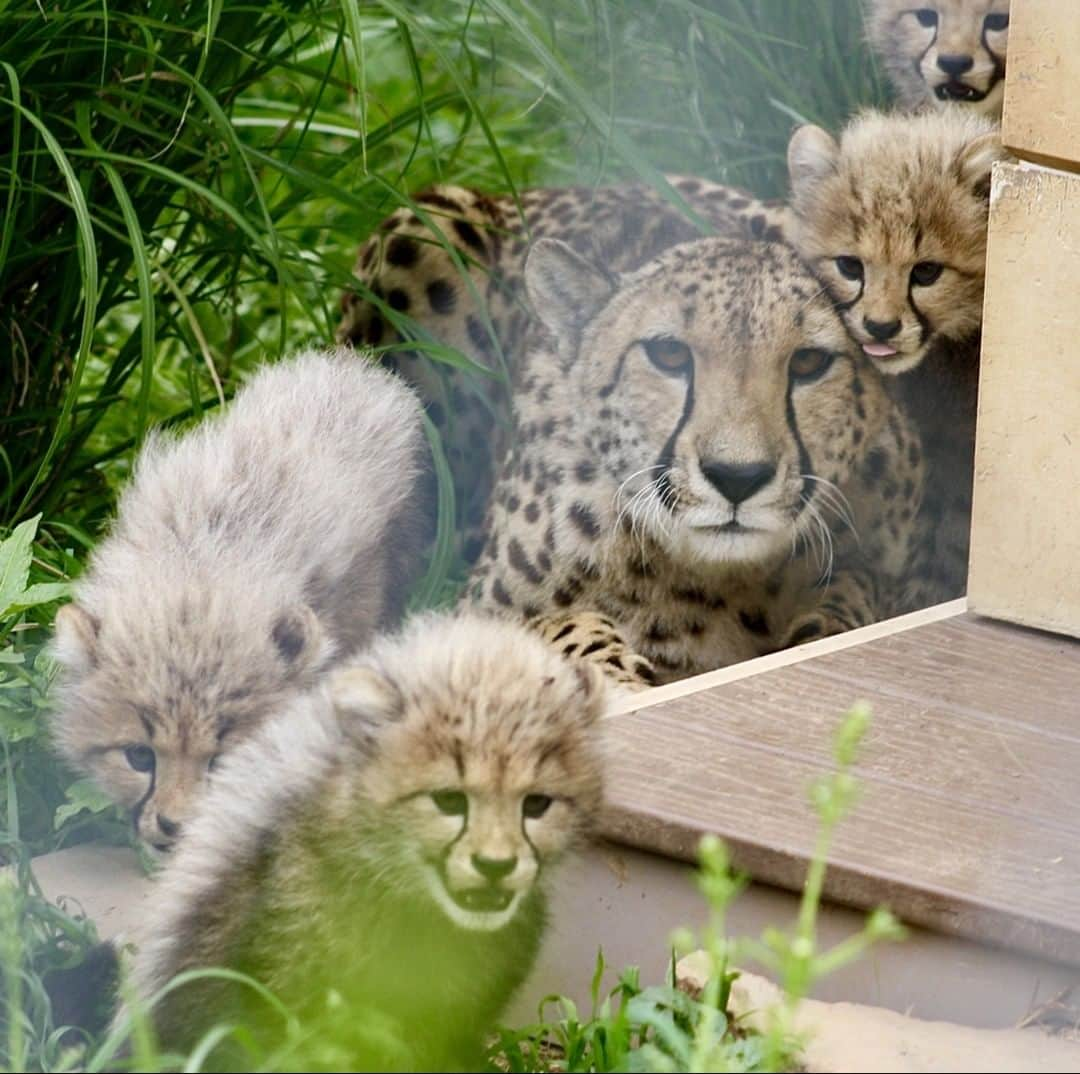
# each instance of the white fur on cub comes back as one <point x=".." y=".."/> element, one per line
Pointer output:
<point x="245" y="556"/>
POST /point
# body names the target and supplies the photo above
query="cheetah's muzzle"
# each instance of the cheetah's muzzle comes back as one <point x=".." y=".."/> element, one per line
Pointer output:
<point x="959" y="91"/>
<point x="488" y="900"/>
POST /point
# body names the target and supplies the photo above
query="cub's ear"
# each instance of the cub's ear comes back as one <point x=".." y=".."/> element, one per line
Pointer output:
<point x="75" y="638"/>
<point x="812" y="155"/>
<point x="300" y="639"/>
<point x="364" y="701"/>
<point x="564" y="289"/>
<point x="594" y="692"/>
<point x="977" y="159"/>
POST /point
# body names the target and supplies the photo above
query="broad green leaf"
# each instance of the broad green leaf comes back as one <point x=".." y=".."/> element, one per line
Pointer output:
<point x="83" y="794"/>
<point x="15" y="555"/>
<point x="41" y="593"/>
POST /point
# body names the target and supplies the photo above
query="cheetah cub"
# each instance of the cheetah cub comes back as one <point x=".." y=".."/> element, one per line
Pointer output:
<point x="379" y="854"/>
<point x="941" y="53"/>
<point x="893" y="218"/>
<point x="245" y="557"/>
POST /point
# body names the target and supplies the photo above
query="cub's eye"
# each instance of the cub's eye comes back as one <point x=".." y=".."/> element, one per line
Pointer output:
<point x="213" y="763"/>
<point x="996" y="23"/>
<point x="535" y="805"/>
<point x="668" y="355"/>
<point x="810" y="363"/>
<point x="141" y="758"/>
<point x="926" y="272"/>
<point x="452" y="803"/>
<point x="927" y="16"/>
<point x="851" y="268"/>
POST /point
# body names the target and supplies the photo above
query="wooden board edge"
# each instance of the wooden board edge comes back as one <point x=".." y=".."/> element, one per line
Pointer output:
<point x="855" y="887"/>
<point x="762" y="664"/>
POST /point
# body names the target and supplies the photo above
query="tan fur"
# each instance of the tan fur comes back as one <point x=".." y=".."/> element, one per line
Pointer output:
<point x="320" y="859"/>
<point x="955" y="30"/>
<point x="604" y="505"/>
<point x="452" y="268"/>
<point x="246" y="555"/>
<point x="896" y="194"/>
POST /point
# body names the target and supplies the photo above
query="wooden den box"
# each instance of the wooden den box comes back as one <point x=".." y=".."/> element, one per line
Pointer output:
<point x="1025" y="543"/>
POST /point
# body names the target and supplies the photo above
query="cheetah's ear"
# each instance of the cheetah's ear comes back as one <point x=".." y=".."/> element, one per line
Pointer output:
<point x="812" y="155"/>
<point x="593" y="693"/>
<point x="300" y="639"/>
<point x="75" y="639"/>
<point x="565" y="290"/>
<point x="977" y="159"/>
<point x="364" y="700"/>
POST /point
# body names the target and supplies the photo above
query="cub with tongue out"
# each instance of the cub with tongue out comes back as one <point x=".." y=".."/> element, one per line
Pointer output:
<point x="892" y="218"/>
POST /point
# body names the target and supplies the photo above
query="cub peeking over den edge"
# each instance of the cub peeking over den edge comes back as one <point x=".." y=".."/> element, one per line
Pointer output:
<point x="246" y="557"/>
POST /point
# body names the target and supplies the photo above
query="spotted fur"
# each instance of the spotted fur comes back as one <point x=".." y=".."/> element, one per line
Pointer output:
<point x="943" y="53"/>
<point x="246" y="556"/>
<point x="451" y="266"/>
<point x="695" y="443"/>
<point x="379" y="854"/>
<point x="893" y="218"/>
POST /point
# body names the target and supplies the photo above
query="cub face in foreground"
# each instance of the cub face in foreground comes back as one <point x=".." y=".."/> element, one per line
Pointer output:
<point x="379" y="854"/>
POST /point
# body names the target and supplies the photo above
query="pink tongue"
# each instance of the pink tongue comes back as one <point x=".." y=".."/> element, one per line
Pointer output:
<point x="879" y="350"/>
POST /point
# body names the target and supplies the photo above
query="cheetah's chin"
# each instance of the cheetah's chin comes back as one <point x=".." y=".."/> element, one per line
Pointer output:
<point x="732" y="543"/>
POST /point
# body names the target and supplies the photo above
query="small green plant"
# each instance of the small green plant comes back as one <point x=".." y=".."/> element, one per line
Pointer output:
<point x="661" y="1028"/>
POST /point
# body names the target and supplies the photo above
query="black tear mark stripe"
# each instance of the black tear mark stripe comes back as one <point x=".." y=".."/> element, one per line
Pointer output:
<point x="667" y="452"/>
<point x="917" y="63"/>
<point x="998" y="61"/>
<point x="140" y="805"/>
<point x="805" y="466"/>
<point x="608" y="388"/>
<point x="925" y="328"/>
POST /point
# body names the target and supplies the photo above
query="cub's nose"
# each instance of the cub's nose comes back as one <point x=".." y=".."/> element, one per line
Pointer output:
<point x="738" y="481"/>
<point x="955" y="65"/>
<point x="881" y="330"/>
<point x="493" y="869"/>
<point x="171" y="828"/>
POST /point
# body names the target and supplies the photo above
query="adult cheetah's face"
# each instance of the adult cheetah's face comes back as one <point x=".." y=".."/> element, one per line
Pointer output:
<point x="718" y="393"/>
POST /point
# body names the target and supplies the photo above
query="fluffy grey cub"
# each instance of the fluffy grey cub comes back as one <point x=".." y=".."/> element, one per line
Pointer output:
<point x="246" y="556"/>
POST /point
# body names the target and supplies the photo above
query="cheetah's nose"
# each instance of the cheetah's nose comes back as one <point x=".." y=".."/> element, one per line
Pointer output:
<point x="955" y="65"/>
<point x="881" y="330"/>
<point x="738" y="481"/>
<point x="493" y="869"/>
<point x="171" y="828"/>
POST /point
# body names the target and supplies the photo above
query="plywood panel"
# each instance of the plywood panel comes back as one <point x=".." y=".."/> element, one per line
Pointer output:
<point x="1025" y="546"/>
<point x="969" y="819"/>
<point x="1042" y="107"/>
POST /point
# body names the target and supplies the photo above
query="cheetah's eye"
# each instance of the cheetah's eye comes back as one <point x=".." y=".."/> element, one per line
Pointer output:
<point x="141" y="758"/>
<point x="668" y="355"/>
<point x="452" y="803"/>
<point x="535" y="805"/>
<point x="213" y="763"/>
<point x="810" y="363"/>
<point x="926" y="273"/>
<point x="851" y="268"/>
<point x="927" y="17"/>
<point x="996" y="23"/>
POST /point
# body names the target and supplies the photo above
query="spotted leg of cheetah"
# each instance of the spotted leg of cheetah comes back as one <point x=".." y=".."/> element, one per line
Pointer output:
<point x="594" y="637"/>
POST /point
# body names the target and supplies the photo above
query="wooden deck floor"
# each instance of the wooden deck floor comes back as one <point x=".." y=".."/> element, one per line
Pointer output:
<point x="969" y="817"/>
